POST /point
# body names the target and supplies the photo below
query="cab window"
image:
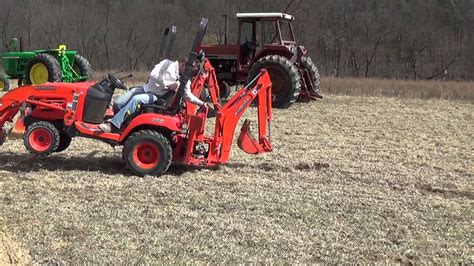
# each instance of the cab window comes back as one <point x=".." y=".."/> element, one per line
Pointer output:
<point x="246" y="32"/>
<point x="269" y="32"/>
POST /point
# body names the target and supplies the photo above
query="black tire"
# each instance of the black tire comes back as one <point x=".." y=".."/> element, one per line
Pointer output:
<point x="155" y="144"/>
<point x="286" y="85"/>
<point x="308" y="64"/>
<point x="64" y="142"/>
<point x="4" y="84"/>
<point x="41" y="138"/>
<point x="51" y="64"/>
<point x="224" y="90"/>
<point x="82" y="66"/>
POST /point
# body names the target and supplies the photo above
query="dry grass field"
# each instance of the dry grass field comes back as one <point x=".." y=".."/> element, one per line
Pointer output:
<point x="351" y="179"/>
<point x="408" y="89"/>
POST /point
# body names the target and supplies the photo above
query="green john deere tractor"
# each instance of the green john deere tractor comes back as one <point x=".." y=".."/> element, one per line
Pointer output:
<point x="40" y="66"/>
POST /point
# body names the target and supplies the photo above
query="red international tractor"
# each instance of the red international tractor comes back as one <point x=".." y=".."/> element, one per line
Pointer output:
<point x="266" y="40"/>
<point x="163" y="132"/>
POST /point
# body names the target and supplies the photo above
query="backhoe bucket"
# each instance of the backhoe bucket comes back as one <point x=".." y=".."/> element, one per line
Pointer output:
<point x="249" y="144"/>
<point x="18" y="129"/>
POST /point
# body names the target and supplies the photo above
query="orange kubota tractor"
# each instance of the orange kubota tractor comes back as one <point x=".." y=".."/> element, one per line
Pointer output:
<point x="169" y="130"/>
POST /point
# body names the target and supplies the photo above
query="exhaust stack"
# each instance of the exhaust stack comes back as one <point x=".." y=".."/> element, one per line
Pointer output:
<point x="225" y="28"/>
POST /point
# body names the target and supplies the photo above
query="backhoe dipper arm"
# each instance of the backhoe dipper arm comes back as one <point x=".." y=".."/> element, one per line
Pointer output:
<point x="206" y="75"/>
<point x="232" y="111"/>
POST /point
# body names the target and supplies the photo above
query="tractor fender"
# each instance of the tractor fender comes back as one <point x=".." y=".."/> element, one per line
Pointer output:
<point x="279" y="51"/>
<point x="302" y="51"/>
<point x="162" y="123"/>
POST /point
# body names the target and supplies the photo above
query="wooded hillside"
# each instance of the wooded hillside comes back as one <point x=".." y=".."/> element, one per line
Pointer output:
<point x="407" y="39"/>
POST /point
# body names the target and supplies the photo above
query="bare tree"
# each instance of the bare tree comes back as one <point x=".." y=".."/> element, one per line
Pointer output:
<point x="384" y="38"/>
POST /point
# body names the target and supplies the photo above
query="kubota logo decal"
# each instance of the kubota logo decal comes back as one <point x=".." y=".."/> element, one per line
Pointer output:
<point x="158" y="120"/>
<point x="45" y="88"/>
<point x="242" y="106"/>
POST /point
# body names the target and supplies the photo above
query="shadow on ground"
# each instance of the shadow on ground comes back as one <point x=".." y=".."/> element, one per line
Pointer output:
<point x="109" y="165"/>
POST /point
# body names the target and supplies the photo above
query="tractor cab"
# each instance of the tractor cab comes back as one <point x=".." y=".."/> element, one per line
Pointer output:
<point x="264" y="31"/>
<point x="265" y="41"/>
<point x="258" y="35"/>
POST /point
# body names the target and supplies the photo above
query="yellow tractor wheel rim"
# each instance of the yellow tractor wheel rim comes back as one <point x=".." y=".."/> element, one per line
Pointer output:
<point x="38" y="74"/>
<point x="2" y="85"/>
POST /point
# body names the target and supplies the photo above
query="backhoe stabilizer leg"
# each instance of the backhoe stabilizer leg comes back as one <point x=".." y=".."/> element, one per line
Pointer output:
<point x="308" y="92"/>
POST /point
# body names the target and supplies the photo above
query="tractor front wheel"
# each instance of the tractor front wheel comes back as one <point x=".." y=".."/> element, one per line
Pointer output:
<point x="4" y="84"/>
<point x="41" y="69"/>
<point x="286" y="85"/>
<point x="82" y="67"/>
<point x="308" y="64"/>
<point x="147" y="152"/>
<point x="41" y="138"/>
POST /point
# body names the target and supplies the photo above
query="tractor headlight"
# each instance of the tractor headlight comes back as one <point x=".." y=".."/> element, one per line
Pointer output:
<point x="292" y="49"/>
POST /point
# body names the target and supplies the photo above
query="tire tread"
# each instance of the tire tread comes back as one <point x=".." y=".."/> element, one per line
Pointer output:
<point x="293" y="92"/>
<point x="130" y="143"/>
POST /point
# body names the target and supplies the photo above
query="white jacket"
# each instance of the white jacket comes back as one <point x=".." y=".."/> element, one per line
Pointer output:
<point x="164" y="77"/>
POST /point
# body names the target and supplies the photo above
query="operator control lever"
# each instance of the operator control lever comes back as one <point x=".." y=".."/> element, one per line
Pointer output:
<point x="126" y="77"/>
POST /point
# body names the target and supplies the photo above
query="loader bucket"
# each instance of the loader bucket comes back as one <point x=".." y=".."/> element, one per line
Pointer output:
<point x="248" y="143"/>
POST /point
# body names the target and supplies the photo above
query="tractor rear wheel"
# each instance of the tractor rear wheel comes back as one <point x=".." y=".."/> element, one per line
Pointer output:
<point x="82" y="67"/>
<point x="286" y="85"/>
<point x="41" y="138"/>
<point x="64" y="142"/>
<point x="308" y="64"/>
<point x="147" y="152"/>
<point x="4" y="84"/>
<point x="224" y="90"/>
<point x="41" y="69"/>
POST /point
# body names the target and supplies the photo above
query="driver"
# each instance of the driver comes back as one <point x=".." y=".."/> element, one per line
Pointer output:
<point x="163" y="77"/>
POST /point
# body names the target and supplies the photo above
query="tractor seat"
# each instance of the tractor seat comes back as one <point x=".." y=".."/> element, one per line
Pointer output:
<point x="162" y="104"/>
<point x="248" y="52"/>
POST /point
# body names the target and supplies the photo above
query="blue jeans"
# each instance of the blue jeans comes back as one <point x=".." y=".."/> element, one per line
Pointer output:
<point x="128" y="103"/>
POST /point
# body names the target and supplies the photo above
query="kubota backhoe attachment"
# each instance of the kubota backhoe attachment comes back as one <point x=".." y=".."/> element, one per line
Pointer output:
<point x="228" y="115"/>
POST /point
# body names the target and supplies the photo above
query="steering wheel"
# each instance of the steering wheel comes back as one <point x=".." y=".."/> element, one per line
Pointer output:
<point x="117" y="83"/>
<point x="255" y="43"/>
<point x="251" y="44"/>
<point x="201" y="55"/>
